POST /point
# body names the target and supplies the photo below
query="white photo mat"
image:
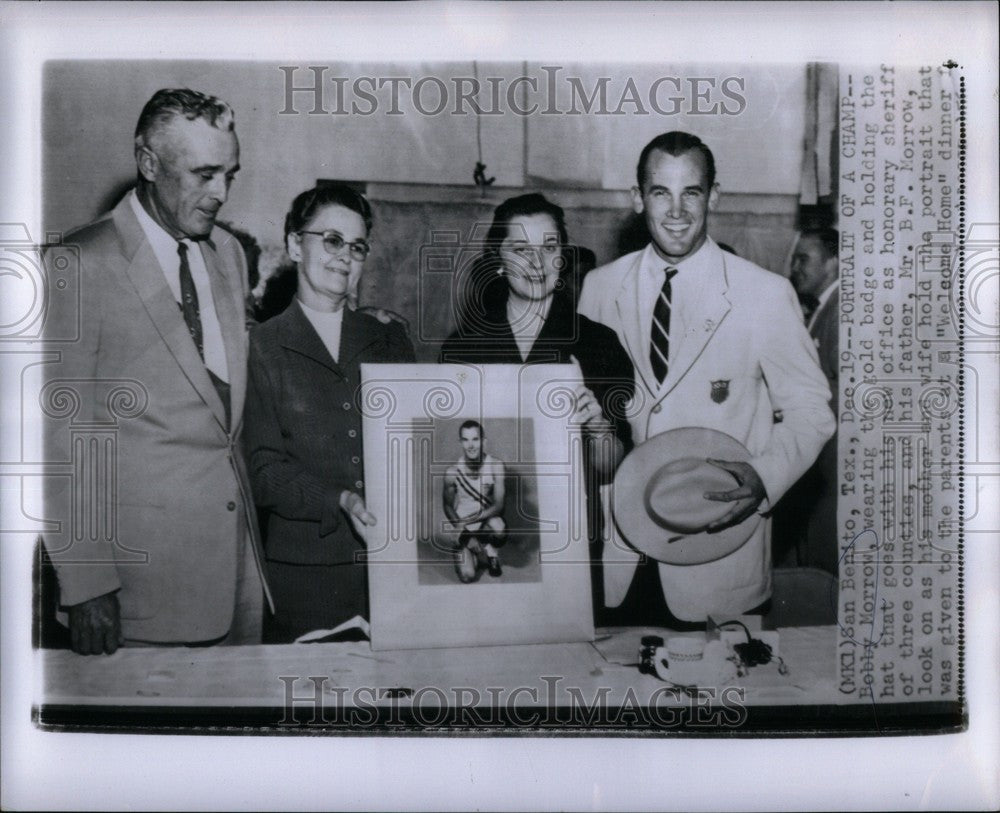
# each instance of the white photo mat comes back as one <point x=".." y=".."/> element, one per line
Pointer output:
<point x="401" y="404"/>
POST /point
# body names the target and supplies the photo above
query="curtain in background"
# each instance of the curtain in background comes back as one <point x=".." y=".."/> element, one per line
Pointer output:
<point x="819" y="157"/>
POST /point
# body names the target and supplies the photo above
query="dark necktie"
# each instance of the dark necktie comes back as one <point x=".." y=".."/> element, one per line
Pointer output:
<point x="189" y="300"/>
<point x="192" y="318"/>
<point x="808" y="303"/>
<point x="659" y="345"/>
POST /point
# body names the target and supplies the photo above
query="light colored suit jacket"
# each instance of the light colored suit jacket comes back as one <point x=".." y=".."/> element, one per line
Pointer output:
<point x="745" y="339"/>
<point x="158" y="504"/>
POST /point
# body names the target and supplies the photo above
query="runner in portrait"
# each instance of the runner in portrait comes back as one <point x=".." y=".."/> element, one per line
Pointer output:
<point x="474" y="502"/>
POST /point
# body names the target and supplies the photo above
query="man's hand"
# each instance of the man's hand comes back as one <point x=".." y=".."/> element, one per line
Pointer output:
<point x="354" y="507"/>
<point x="748" y="494"/>
<point x="95" y="626"/>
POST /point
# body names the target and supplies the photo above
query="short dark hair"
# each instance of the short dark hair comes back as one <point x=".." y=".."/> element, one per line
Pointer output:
<point x="828" y="238"/>
<point x="675" y="143"/>
<point x="533" y="203"/>
<point x="484" y="292"/>
<point x="470" y="424"/>
<point x="168" y="103"/>
<point x="307" y="204"/>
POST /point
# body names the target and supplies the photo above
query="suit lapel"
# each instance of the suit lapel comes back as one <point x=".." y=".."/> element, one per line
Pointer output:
<point x="554" y="341"/>
<point x="635" y="333"/>
<point x="299" y="336"/>
<point x="702" y="319"/>
<point x="150" y="283"/>
<point x="228" y="310"/>
<point x="818" y="318"/>
<point x="356" y="335"/>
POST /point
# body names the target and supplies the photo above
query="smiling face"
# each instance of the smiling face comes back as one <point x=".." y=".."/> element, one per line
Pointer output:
<point x="472" y="444"/>
<point x="531" y="256"/>
<point x="675" y="199"/>
<point x="325" y="279"/>
<point x="187" y="167"/>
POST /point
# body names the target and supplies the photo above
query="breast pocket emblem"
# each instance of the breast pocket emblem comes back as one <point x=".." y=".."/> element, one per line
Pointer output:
<point x="720" y="391"/>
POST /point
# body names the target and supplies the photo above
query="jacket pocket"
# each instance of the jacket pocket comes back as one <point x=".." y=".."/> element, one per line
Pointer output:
<point x="137" y="536"/>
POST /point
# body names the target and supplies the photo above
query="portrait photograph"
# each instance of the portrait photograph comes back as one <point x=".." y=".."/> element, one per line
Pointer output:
<point x="483" y="541"/>
<point x="455" y="479"/>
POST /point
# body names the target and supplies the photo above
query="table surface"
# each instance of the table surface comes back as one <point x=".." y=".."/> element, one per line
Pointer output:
<point x="524" y="675"/>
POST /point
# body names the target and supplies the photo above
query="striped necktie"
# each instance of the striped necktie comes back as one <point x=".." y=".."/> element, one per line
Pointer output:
<point x="189" y="300"/>
<point x="659" y="346"/>
<point x="191" y="310"/>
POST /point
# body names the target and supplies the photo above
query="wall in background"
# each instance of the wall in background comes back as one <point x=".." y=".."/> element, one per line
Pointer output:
<point x="400" y="273"/>
<point x="419" y="167"/>
<point x="755" y="125"/>
<point x="91" y="109"/>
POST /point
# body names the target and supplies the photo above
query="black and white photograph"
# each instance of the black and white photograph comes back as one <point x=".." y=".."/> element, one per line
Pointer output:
<point x="428" y="383"/>
<point x="483" y="505"/>
<point x="282" y="426"/>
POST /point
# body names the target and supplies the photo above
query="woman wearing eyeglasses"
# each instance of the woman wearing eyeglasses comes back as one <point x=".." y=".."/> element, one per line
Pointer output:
<point x="520" y="309"/>
<point x="302" y="423"/>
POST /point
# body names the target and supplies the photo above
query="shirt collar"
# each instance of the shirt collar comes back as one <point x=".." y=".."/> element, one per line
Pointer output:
<point x="703" y="261"/>
<point x="827" y="293"/>
<point x="323" y="316"/>
<point x="158" y="237"/>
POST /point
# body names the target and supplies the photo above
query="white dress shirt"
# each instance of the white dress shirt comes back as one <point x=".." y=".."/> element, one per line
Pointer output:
<point x="165" y="248"/>
<point x="691" y="272"/>
<point x="328" y="325"/>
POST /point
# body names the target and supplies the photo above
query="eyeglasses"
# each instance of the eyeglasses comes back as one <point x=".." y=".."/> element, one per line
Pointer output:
<point x="333" y="242"/>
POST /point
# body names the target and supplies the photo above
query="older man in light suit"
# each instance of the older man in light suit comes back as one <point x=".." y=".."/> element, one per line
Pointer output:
<point x="170" y="553"/>
<point x="716" y="342"/>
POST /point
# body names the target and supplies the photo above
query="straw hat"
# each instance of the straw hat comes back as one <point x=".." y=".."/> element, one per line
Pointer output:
<point x="659" y="503"/>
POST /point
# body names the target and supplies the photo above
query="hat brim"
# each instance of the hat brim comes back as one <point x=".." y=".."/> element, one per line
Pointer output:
<point x="631" y="513"/>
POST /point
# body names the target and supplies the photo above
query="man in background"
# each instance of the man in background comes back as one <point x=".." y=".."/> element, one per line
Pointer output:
<point x="809" y="511"/>
<point x="175" y="556"/>
<point x="815" y="275"/>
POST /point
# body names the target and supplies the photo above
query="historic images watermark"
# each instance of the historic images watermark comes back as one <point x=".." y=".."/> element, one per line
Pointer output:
<point x="79" y="466"/>
<point x="316" y="700"/>
<point x="310" y="90"/>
